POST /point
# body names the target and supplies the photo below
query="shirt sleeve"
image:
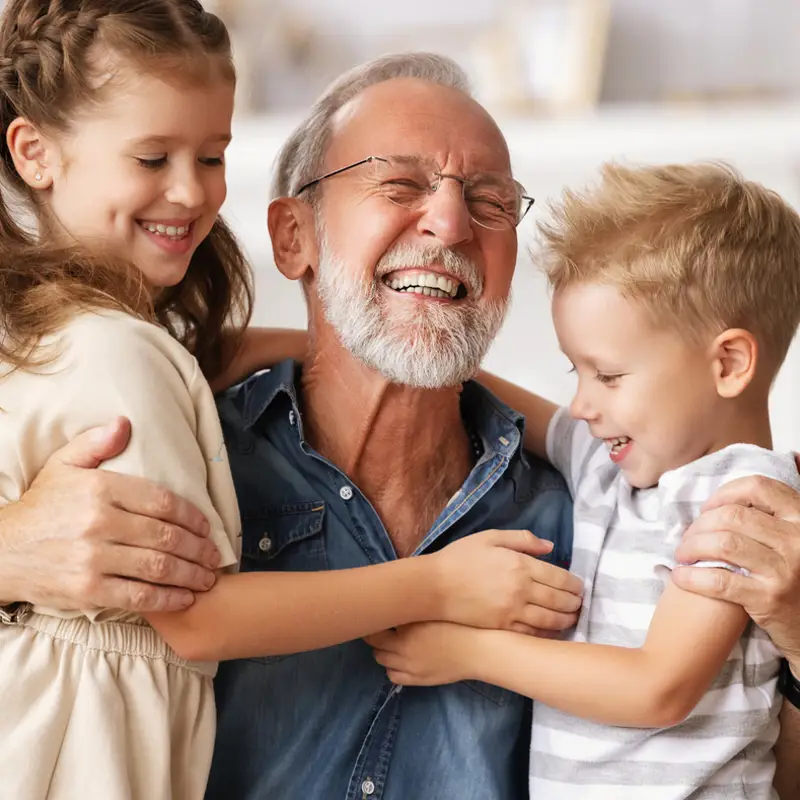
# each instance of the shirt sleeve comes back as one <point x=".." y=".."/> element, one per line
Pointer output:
<point x="682" y="492"/>
<point x="570" y="445"/>
<point x="117" y="367"/>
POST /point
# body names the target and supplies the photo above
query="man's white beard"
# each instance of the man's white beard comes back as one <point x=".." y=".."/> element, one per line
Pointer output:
<point x="424" y="345"/>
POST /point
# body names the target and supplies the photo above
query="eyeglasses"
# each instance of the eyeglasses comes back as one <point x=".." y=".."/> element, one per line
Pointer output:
<point x="494" y="200"/>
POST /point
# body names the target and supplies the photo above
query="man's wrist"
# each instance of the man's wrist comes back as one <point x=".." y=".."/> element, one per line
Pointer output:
<point x="793" y="663"/>
<point x="789" y="685"/>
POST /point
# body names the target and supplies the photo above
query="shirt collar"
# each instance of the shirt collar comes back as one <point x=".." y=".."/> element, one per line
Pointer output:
<point x="262" y="389"/>
<point x="500" y="427"/>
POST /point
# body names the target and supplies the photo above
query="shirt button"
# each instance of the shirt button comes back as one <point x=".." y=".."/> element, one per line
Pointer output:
<point x="368" y="787"/>
<point x="265" y="545"/>
<point x="346" y="493"/>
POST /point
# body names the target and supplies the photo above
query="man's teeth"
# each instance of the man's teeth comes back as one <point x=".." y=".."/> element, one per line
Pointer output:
<point x="430" y="284"/>
<point x="173" y="231"/>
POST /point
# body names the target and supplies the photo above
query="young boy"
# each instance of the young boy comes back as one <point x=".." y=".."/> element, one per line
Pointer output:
<point x="676" y="295"/>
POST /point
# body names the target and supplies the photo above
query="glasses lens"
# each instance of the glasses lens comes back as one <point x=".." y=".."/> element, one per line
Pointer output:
<point x="494" y="200"/>
<point x="405" y="180"/>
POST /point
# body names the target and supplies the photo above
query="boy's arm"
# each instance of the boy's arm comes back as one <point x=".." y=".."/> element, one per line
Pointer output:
<point x="537" y="411"/>
<point x="656" y="685"/>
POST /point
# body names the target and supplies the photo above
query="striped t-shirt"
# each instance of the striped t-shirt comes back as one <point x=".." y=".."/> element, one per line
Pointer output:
<point x="624" y="547"/>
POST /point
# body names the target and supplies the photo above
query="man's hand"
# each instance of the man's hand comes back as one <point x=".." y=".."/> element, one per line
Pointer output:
<point x="492" y="580"/>
<point x="752" y="523"/>
<point x="87" y="538"/>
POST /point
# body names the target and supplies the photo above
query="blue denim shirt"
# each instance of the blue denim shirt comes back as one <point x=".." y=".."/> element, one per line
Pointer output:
<point x="328" y="725"/>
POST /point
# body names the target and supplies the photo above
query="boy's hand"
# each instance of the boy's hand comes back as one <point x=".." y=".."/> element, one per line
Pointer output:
<point x="493" y="580"/>
<point x="426" y="653"/>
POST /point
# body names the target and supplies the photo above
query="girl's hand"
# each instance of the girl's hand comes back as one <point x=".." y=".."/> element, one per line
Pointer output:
<point x="426" y="653"/>
<point x="492" y="580"/>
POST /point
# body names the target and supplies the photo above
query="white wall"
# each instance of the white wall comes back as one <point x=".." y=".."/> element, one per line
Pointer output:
<point x="549" y="155"/>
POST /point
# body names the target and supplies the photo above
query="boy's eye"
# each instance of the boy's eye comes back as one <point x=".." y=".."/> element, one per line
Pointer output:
<point x="606" y="378"/>
<point x="152" y="163"/>
<point x="213" y="162"/>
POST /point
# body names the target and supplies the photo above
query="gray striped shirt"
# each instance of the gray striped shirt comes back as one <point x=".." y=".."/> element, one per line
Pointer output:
<point x="624" y="550"/>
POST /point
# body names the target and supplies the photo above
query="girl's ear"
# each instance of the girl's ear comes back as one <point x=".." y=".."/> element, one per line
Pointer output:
<point x="31" y="153"/>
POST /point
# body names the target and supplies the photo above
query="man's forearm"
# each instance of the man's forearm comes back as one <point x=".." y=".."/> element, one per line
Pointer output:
<point x="787" y="754"/>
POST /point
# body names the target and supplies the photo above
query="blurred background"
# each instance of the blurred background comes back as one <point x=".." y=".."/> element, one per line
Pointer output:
<point x="572" y="83"/>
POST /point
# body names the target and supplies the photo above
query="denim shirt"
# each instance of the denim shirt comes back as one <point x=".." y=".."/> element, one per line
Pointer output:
<point x="328" y="724"/>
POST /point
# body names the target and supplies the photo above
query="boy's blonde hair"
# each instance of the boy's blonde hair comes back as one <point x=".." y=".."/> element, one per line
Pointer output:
<point x="703" y="249"/>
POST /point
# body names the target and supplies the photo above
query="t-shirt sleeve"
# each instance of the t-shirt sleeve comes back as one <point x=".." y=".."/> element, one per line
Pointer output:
<point x="112" y="367"/>
<point x="570" y="446"/>
<point x="683" y="492"/>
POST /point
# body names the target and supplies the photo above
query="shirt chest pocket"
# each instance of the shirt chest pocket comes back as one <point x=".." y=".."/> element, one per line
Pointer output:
<point x="288" y="538"/>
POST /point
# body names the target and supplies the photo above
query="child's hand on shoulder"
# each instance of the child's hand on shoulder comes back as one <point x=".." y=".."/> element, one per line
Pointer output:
<point x="427" y="653"/>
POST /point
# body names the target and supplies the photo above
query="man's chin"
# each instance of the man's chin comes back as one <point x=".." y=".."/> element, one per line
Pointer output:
<point x="415" y="368"/>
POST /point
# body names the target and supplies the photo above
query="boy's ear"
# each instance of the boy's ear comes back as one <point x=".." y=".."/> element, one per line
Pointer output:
<point x="30" y="151"/>
<point x="735" y="357"/>
<point x="294" y="237"/>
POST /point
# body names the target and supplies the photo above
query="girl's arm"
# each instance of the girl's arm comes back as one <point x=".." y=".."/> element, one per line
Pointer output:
<point x="260" y="348"/>
<point x="537" y="411"/>
<point x="116" y="366"/>
<point x="480" y="578"/>
<point x="656" y="685"/>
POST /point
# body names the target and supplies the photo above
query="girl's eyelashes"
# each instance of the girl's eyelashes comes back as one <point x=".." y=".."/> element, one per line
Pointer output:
<point x="152" y="163"/>
<point x="160" y="161"/>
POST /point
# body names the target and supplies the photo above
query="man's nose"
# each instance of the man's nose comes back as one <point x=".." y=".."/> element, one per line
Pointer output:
<point x="445" y="215"/>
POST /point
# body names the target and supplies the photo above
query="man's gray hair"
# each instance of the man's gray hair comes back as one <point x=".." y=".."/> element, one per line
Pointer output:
<point x="301" y="158"/>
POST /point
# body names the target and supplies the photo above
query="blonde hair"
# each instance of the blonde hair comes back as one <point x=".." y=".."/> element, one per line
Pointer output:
<point x="51" y="53"/>
<point x="697" y="245"/>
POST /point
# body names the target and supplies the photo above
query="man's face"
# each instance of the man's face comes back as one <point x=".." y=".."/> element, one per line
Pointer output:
<point x="416" y="293"/>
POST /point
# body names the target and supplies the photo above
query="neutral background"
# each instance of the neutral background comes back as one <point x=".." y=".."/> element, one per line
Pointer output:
<point x="733" y="64"/>
<point x="548" y="155"/>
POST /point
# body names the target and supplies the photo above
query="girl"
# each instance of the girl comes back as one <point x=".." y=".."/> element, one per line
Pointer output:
<point x="116" y="115"/>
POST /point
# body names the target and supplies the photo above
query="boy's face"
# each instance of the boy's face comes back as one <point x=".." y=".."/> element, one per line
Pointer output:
<point x="647" y="391"/>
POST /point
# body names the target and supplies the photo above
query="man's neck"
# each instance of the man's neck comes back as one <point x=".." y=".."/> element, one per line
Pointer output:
<point x="405" y="448"/>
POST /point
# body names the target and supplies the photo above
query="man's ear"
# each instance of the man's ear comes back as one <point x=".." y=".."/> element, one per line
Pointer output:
<point x="31" y="153"/>
<point x="294" y="237"/>
<point x="735" y="356"/>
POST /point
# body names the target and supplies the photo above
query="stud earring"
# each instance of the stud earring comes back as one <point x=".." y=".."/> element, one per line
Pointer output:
<point x="38" y="176"/>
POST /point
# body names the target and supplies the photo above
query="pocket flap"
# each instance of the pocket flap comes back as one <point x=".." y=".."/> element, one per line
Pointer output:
<point x="267" y="534"/>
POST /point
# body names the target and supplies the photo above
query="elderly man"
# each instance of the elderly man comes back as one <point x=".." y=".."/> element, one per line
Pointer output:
<point x="397" y="211"/>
